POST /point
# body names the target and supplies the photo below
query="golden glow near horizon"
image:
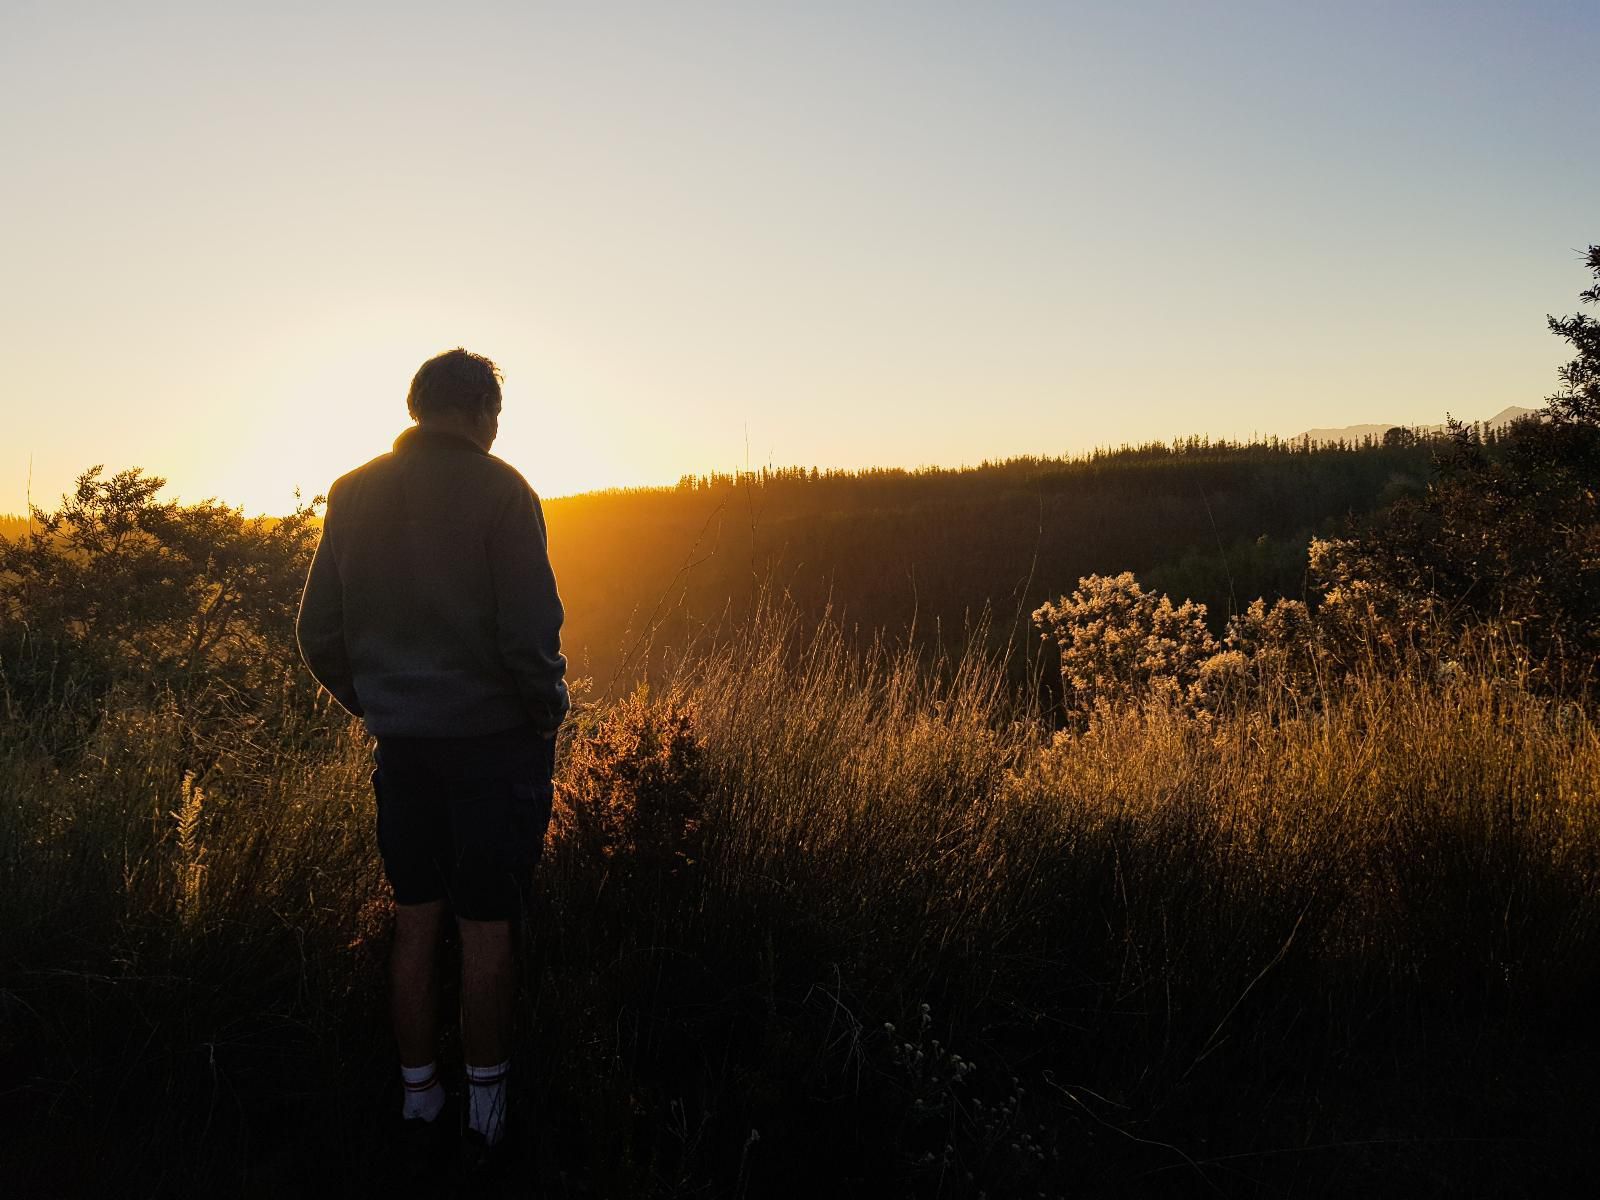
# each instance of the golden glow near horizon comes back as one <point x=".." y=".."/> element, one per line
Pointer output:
<point x="704" y="238"/>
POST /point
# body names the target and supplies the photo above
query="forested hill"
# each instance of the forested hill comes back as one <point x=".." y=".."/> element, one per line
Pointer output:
<point x="928" y="551"/>
<point x="1217" y="522"/>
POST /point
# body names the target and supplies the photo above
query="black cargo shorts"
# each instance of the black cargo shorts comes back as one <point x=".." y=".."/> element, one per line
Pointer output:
<point x="464" y="819"/>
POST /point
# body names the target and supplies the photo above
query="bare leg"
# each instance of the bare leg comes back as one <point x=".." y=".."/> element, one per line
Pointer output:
<point x="485" y="991"/>
<point x="413" y="981"/>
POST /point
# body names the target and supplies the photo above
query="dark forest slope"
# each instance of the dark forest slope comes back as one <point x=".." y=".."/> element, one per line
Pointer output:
<point x="1219" y="523"/>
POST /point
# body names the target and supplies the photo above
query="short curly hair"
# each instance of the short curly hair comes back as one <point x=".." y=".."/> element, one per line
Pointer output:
<point x="455" y="381"/>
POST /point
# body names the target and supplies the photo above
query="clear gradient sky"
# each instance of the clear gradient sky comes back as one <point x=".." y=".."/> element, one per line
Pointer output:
<point x="812" y="233"/>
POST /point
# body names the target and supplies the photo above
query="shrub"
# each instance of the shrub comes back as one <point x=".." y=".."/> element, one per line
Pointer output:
<point x="118" y="586"/>
<point x="1120" y="643"/>
<point x="1507" y="535"/>
<point x="1281" y="648"/>
<point x="628" y="804"/>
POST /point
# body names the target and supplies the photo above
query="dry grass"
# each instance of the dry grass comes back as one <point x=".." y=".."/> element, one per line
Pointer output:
<point x="1272" y="951"/>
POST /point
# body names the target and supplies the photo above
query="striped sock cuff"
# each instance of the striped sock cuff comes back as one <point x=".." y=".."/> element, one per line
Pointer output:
<point x="419" y="1079"/>
<point x="487" y="1076"/>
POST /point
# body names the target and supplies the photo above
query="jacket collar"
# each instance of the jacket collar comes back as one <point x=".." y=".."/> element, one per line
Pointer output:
<point x="417" y="438"/>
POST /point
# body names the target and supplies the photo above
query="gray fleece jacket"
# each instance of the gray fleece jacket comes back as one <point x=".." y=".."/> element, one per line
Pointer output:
<point x="431" y="609"/>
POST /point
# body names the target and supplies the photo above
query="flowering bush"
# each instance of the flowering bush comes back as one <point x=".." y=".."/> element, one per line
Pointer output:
<point x="1121" y="643"/>
<point x="1280" y="647"/>
<point x="1367" y="606"/>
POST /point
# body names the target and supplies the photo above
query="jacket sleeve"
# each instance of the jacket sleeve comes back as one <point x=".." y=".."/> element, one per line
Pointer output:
<point x="528" y="611"/>
<point x="319" y="628"/>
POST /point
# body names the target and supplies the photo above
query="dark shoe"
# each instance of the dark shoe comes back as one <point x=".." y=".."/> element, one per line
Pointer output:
<point x="423" y="1148"/>
<point x="482" y="1165"/>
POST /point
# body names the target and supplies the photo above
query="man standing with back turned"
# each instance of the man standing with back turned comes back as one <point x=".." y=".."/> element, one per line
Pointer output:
<point x="431" y="612"/>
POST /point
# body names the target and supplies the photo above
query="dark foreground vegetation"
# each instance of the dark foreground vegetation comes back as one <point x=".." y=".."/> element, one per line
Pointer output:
<point x="1283" y="950"/>
<point x="1300" y="904"/>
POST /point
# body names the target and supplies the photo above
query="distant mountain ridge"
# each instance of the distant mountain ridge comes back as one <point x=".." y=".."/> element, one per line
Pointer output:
<point x="1354" y="433"/>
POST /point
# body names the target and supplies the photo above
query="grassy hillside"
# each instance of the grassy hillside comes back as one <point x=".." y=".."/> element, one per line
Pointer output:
<point x="813" y="922"/>
<point x="823" y="913"/>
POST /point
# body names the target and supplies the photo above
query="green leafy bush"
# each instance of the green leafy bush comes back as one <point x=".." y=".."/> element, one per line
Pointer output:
<point x="118" y="588"/>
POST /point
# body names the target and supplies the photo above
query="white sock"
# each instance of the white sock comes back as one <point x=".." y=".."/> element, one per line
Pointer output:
<point x="424" y="1094"/>
<point x="486" y="1106"/>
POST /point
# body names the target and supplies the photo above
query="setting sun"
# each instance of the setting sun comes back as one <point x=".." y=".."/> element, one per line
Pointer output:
<point x="787" y="237"/>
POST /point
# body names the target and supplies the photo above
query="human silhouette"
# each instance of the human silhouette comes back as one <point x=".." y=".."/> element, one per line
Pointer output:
<point x="431" y="612"/>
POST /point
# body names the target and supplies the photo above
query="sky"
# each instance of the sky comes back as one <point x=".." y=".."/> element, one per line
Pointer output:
<point x="701" y="237"/>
